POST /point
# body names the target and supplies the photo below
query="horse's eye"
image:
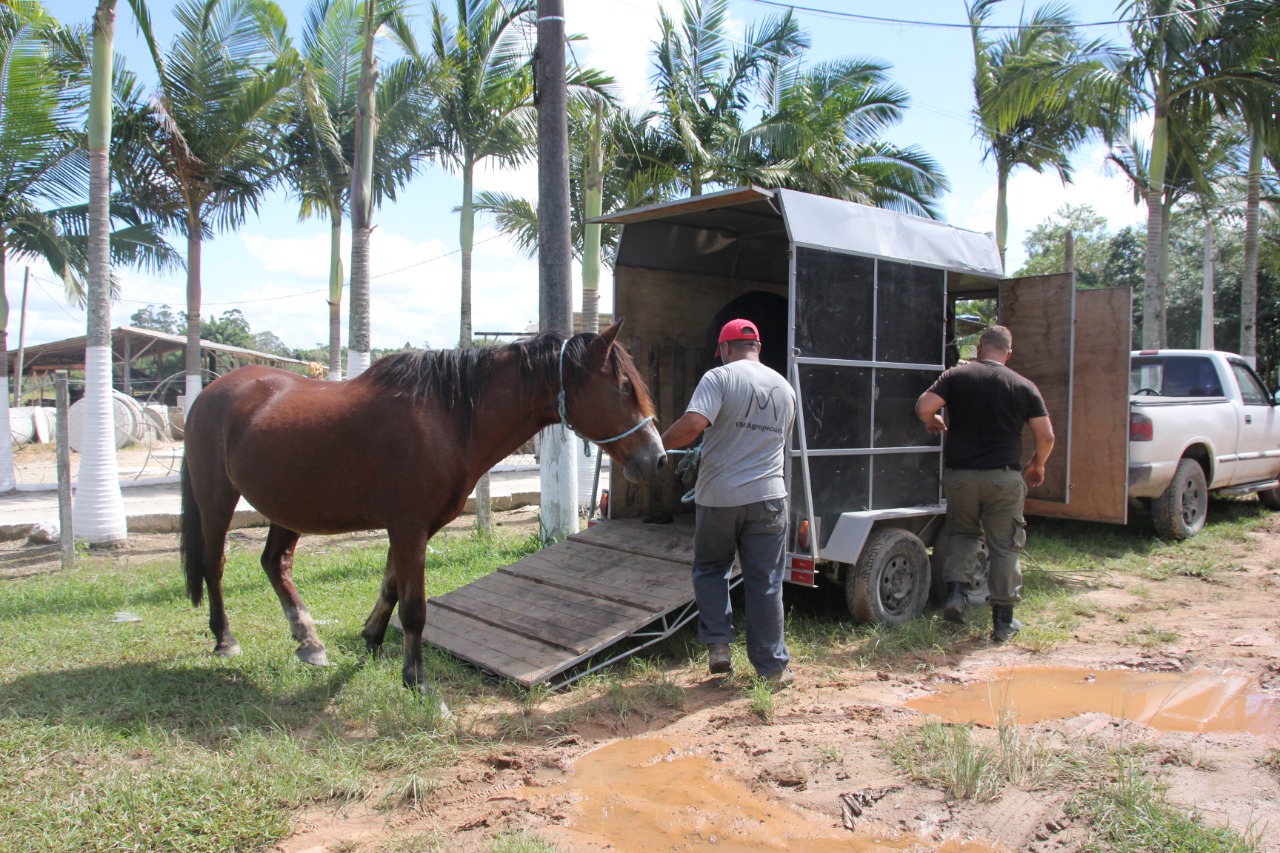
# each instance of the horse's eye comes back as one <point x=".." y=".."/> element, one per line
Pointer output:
<point x="626" y="386"/>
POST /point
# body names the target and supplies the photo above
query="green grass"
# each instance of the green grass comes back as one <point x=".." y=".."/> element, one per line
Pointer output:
<point x="133" y="736"/>
<point x="1116" y="796"/>
<point x="1127" y="812"/>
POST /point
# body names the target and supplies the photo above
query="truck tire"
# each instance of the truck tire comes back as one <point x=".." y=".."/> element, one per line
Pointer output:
<point x="890" y="582"/>
<point x="1270" y="499"/>
<point x="977" y="592"/>
<point x="1179" y="513"/>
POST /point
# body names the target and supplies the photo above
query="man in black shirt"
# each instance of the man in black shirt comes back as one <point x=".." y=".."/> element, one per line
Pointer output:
<point x="984" y="479"/>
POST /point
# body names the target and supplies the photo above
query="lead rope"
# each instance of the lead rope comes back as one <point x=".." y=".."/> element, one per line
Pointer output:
<point x="564" y="414"/>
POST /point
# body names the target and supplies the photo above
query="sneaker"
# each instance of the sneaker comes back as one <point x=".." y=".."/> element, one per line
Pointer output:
<point x="721" y="662"/>
<point x="781" y="680"/>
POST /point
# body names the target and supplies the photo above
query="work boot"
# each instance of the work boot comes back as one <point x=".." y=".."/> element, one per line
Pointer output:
<point x="957" y="601"/>
<point x="1003" y="625"/>
<point x="718" y="657"/>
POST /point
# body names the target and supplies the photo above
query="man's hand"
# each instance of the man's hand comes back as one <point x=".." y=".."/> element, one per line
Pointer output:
<point x="1033" y="474"/>
<point x="937" y="426"/>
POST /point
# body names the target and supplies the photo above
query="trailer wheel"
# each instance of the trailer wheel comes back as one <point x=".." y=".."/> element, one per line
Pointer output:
<point x="890" y="582"/>
<point x="977" y="592"/>
<point x="1270" y="499"/>
<point x="1180" y="512"/>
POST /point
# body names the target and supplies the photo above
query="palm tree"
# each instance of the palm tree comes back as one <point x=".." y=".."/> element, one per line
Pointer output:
<point x="1031" y="95"/>
<point x="705" y="85"/>
<point x="44" y="167"/>
<point x="214" y="125"/>
<point x="99" y="512"/>
<point x="484" y="106"/>
<point x="320" y="149"/>
<point x="616" y="162"/>
<point x="35" y="146"/>
<point x="818" y="128"/>
<point x="1188" y="53"/>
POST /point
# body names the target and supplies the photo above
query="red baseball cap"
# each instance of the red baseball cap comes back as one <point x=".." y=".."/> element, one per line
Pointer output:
<point x="739" y="330"/>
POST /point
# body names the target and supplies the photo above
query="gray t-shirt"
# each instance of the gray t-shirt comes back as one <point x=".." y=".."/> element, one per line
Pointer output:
<point x="751" y="409"/>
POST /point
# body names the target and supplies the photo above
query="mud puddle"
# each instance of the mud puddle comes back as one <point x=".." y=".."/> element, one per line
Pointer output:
<point x="646" y="795"/>
<point x="1182" y="702"/>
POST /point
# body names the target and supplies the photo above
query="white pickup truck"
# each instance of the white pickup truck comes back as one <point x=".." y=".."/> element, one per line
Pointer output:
<point x="1199" y="422"/>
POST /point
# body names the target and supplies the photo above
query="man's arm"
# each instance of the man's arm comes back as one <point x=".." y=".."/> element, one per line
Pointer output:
<point x="1042" y="430"/>
<point x="928" y="410"/>
<point x="685" y="431"/>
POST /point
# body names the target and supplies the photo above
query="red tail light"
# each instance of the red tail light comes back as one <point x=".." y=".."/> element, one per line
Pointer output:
<point x="1140" y="427"/>
<point x="802" y="535"/>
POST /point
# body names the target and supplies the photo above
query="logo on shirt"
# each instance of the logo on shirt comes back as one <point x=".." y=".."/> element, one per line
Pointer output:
<point x="761" y="400"/>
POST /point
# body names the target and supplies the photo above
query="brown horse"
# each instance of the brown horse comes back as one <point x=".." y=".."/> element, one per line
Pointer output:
<point x="398" y="448"/>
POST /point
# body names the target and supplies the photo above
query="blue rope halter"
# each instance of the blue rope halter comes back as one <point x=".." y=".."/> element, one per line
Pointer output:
<point x="564" y="412"/>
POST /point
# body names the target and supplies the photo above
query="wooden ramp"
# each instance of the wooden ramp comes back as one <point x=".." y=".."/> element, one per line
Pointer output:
<point x="620" y="584"/>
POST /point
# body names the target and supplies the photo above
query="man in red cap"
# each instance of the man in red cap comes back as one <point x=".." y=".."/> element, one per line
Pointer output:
<point x="746" y="411"/>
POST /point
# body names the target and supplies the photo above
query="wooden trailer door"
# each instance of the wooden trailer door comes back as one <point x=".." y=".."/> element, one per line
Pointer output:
<point x="1075" y="346"/>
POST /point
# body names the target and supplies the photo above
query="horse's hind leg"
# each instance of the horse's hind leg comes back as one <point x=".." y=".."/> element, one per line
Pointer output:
<point x="277" y="561"/>
<point x="216" y="521"/>
<point x="375" y="627"/>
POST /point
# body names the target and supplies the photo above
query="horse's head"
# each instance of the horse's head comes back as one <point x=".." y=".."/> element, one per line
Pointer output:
<point x="611" y="407"/>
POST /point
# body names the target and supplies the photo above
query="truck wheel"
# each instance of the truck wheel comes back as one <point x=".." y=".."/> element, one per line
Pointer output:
<point x="1179" y="513"/>
<point x="977" y="592"/>
<point x="890" y="582"/>
<point x="1270" y="499"/>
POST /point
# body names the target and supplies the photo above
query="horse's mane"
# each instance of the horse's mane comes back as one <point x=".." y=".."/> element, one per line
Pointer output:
<point x="457" y="378"/>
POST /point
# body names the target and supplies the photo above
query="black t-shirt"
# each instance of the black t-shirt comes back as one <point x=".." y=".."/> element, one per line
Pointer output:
<point x="987" y="406"/>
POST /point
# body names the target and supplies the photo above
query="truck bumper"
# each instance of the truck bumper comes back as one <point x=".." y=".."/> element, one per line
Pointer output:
<point x="1150" y="479"/>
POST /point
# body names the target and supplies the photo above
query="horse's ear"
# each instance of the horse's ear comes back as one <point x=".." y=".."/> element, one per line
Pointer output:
<point x="599" y="348"/>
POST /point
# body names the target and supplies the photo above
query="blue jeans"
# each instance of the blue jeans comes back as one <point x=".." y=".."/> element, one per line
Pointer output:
<point x="757" y="534"/>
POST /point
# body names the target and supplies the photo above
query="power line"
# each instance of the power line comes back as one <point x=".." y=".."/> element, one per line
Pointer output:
<point x="875" y="19"/>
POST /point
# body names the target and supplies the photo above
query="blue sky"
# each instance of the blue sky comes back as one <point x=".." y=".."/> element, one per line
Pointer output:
<point x="274" y="269"/>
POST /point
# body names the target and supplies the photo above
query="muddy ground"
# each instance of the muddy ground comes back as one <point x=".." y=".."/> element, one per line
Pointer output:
<point x="684" y="761"/>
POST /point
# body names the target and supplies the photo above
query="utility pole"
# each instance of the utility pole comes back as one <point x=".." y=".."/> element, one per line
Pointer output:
<point x="555" y="301"/>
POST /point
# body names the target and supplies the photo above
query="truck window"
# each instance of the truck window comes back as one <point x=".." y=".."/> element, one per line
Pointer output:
<point x="1174" y="376"/>
<point x="1251" y="390"/>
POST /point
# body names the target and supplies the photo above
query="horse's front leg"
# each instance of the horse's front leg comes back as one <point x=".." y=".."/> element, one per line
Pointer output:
<point x="277" y="561"/>
<point x="375" y="627"/>
<point x="408" y="550"/>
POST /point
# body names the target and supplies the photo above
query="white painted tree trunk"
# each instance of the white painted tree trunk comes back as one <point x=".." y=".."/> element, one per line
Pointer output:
<point x="194" y="384"/>
<point x="558" y="466"/>
<point x="357" y="363"/>
<point x="7" y="481"/>
<point x="98" y="510"/>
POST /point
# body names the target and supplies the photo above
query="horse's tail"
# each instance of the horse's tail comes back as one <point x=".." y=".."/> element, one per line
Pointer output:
<point x="192" y="539"/>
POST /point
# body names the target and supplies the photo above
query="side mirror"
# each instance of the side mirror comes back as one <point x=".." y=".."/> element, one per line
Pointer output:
<point x="1275" y="397"/>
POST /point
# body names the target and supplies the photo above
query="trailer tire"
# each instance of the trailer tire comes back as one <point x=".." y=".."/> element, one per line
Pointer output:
<point x="977" y="591"/>
<point x="1179" y="513"/>
<point x="1270" y="499"/>
<point x="890" y="582"/>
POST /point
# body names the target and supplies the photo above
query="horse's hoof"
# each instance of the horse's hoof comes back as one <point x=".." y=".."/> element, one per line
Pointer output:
<point x="227" y="650"/>
<point x="314" y="655"/>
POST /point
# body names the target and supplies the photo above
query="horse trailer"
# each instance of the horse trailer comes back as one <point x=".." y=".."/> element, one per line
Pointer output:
<point x="856" y="306"/>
